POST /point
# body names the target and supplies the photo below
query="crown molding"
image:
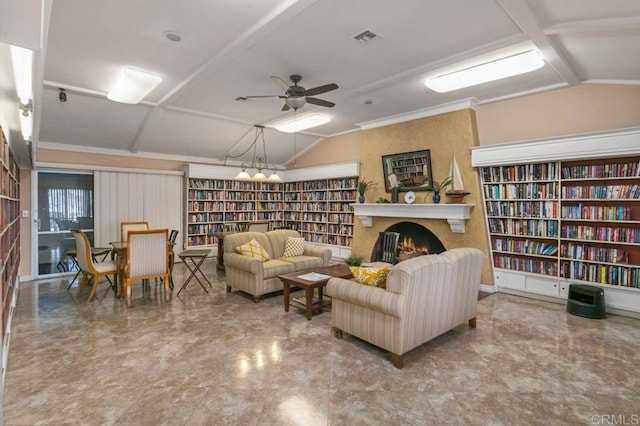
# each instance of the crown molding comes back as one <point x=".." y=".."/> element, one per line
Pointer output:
<point x="470" y="103"/>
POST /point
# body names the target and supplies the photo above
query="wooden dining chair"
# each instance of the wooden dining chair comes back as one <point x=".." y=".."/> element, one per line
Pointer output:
<point x="88" y="266"/>
<point x="258" y="226"/>
<point x="172" y="242"/>
<point x="147" y="254"/>
<point x="125" y="227"/>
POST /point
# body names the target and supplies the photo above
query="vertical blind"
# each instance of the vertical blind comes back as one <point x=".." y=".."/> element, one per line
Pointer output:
<point x="131" y="197"/>
<point x="69" y="203"/>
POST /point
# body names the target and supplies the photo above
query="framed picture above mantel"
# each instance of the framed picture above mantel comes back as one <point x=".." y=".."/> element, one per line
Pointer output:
<point x="409" y="171"/>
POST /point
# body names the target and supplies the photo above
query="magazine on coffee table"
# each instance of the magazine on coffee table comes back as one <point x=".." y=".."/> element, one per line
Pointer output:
<point x="314" y="276"/>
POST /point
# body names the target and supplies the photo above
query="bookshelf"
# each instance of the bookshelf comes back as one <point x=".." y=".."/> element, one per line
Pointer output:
<point x="318" y="208"/>
<point x="9" y="239"/>
<point x="575" y="219"/>
<point x="215" y="205"/>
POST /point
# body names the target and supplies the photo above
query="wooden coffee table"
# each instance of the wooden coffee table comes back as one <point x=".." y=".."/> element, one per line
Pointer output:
<point x="297" y="279"/>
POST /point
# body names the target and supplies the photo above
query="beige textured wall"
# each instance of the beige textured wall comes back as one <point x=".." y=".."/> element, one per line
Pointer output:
<point x="69" y="157"/>
<point x="337" y="149"/>
<point x="569" y="111"/>
<point x="444" y="135"/>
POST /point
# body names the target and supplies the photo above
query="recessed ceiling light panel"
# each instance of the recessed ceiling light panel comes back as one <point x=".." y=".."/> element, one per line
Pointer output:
<point x="133" y="85"/>
<point x="520" y="63"/>
<point x="301" y="123"/>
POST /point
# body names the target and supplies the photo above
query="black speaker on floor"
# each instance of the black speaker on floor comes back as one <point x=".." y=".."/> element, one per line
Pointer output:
<point x="586" y="301"/>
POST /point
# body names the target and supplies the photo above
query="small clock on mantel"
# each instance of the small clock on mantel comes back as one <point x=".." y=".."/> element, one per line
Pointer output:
<point x="409" y="197"/>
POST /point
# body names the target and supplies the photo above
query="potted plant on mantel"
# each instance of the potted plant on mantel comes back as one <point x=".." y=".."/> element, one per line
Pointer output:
<point x="436" y="187"/>
<point x="362" y="187"/>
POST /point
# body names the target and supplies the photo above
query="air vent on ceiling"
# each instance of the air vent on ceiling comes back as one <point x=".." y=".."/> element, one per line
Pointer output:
<point x="366" y="36"/>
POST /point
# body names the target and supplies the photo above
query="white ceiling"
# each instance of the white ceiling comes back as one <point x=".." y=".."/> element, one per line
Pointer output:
<point x="231" y="48"/>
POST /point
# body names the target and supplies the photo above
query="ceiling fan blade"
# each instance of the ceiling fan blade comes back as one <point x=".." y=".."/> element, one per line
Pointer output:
<point x="244" y="98"/>
<point x="321" y="89"/>
<point x="280" y="82"/>
<point x="320" y="102"/>
<point x="285" y="108"/>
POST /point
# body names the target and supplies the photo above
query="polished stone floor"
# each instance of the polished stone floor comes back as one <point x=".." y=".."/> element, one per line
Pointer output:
<point x="218" y="358"/>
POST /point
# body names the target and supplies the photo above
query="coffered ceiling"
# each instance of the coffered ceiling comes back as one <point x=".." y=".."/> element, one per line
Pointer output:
<point x="231" y="48"/>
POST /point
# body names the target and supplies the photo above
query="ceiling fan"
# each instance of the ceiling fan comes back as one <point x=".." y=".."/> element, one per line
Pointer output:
<point x="297" y="96"/>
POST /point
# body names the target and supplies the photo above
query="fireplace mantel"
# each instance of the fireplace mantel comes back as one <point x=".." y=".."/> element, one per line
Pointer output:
<point x="455" y="213"/>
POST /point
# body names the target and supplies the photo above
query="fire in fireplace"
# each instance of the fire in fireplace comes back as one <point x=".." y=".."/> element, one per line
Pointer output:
<point x="415" y="240"/>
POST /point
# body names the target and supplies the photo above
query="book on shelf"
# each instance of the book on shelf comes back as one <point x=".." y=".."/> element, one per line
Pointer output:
<point x="303" y="300"/>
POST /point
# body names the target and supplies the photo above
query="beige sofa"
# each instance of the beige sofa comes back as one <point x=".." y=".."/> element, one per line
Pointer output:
<point x="425" y="297"/>
<point x="256" y="277"/>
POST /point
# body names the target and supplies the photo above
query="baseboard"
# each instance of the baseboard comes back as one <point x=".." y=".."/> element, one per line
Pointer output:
<point x="487" y="288"/>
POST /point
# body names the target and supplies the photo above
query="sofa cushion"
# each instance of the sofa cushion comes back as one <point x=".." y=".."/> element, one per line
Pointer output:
<point x="253" y="249"/>
<point x="274" y="267"/>
<point x="375" y="277"/>
<point x="293" y="247"/>
<point x="277" y="240"/>
<point x="304" y="262"/>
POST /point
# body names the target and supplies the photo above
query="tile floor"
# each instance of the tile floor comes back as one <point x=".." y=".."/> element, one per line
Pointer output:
<point x="218" y="358"/>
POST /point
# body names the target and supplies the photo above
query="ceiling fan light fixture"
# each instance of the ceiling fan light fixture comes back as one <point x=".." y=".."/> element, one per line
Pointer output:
<point x="133" y="85"/>
<point x="303" y="122"/>
<point x="509" y="66"/>
<point x="296" y="102"/>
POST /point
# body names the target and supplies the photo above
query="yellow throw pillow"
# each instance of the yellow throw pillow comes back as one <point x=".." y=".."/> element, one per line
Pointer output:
<point x="376" y="277"/>
<point x="253" y="249"/>
<point x="293" y="247"/>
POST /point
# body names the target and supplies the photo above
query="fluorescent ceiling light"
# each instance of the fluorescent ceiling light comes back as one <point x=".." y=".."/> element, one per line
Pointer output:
<point x="502" y="68"/>
<point x="301" y="123"/>
<point x="26" y="125"/>
<point x="22" y="61"/>
<point x="133" y="85"/>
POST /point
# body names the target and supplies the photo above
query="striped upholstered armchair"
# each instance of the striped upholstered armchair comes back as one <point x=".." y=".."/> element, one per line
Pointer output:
<point x="424" y="297"/>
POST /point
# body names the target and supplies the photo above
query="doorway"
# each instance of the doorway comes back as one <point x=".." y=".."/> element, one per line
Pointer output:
<point x="64" y="202"/>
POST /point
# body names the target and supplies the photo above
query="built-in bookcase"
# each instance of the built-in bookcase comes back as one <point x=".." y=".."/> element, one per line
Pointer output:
<point x="218" y="205"/>
<point x="9" y="239"/>
<point x="571" y="220"/>
<point x="320" y="209"/>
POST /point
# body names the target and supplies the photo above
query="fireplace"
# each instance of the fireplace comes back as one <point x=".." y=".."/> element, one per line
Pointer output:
<point x="415" y="240"/>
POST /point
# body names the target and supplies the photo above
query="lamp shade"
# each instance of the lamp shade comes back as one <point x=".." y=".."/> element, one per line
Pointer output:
<point x="275" y="177"/>
<point x="243" y="175"/>
<point x="260" y="177"/>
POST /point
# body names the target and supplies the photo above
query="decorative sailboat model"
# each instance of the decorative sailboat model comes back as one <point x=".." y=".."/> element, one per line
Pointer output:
<point x="457" y="191"/>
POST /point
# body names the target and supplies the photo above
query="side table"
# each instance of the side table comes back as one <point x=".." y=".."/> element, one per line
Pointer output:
<point x="197" y="258"/>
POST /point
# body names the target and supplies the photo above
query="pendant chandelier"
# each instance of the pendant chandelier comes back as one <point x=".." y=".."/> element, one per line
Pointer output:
<point x="258" y="161"/>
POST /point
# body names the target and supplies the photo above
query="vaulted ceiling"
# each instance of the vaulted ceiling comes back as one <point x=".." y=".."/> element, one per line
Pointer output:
<point x="230" y="49"/>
